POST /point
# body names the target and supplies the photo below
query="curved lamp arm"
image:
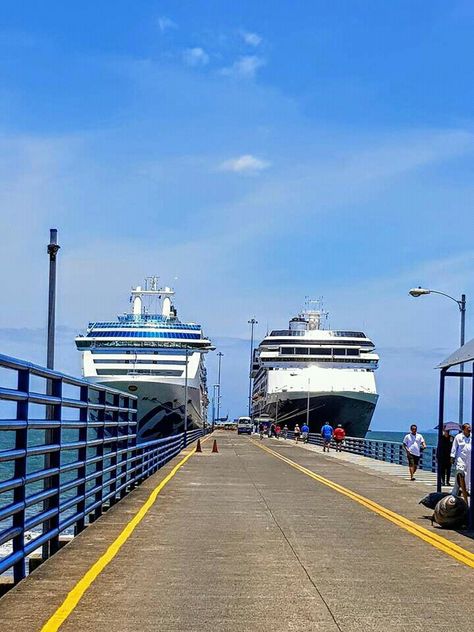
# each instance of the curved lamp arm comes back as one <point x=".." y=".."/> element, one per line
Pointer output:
<point x="460" y="303"/>
<point x="416" y="292"/>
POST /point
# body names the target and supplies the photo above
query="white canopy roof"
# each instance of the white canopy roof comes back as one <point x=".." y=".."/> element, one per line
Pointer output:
<point x="461" y="355"/>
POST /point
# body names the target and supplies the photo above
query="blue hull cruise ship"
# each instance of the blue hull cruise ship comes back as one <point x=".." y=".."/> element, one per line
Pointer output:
<point x="153" y="355"/>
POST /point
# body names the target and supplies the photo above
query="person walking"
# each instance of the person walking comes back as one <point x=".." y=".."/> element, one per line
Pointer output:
<point x="327" y="432"/>
<point x="443" y="454"/>
<point x="305" y="433"/>
<point x="297" y="433"/>
<point x="285" y="432"/>
<point x="461" y="459"/>
<point x="414" y="444"/>
<point x="277" y="431"/>
<point x="261" y="429"/>
<point x="272" y="429"/>
<point x="339" y="436"/>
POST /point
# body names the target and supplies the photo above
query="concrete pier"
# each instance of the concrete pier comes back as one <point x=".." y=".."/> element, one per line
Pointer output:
<point x="247" y="539"/>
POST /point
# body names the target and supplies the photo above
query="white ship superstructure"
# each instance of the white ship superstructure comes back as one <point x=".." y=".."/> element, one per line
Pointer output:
<point x="153" y="355"/>
<point x="309" y="373"/>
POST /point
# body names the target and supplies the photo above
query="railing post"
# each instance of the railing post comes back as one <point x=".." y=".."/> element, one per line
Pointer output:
<point x="99" y="452"/>
<point x="21" y="443"/>
<point x="82" y="456"/>
<point x="55" y="463"/>
<point x="114" y="446"/>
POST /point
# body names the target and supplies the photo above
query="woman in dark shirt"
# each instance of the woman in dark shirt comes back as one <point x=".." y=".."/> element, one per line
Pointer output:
<point x="444" y="457"/>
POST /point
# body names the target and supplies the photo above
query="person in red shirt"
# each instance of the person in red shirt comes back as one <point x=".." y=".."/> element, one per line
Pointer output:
<point x="339" y="436"/>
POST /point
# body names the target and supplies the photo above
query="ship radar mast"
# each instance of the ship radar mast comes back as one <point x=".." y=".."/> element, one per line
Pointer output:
<point x="314" y="316"/>
<point x="152" y="289"/>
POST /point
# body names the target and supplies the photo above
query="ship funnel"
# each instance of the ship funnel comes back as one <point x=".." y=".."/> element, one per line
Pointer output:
<point x="166" y="310"/>
<point x="137" y="302"/>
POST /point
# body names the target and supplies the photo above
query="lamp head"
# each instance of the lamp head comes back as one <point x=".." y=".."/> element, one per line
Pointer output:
<point x="418" y="291"/>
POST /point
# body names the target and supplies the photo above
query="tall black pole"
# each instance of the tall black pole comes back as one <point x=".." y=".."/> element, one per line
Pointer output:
<point x="52" y="252"/>
<point x="219" y="355"/>
<point x="442" y="379"/>
<point x="252" y="322"/>
<point x="462" y="309"/>
<point x="51" y="459"/>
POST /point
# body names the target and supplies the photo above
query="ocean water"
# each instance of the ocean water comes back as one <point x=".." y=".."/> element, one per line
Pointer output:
<point x="430" y="437"/>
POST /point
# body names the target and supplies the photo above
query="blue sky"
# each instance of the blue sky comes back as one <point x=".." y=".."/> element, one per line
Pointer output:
<point x="250" y="154"/>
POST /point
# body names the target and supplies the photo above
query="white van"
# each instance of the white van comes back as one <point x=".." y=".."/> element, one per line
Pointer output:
<point x="244" y="425"/>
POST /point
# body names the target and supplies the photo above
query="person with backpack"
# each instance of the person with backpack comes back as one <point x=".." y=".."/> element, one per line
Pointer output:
<point x="305" y="433"/>
<point x="297" y="432"/>
<point x="339" y="436"/>
<point x="327" y="432"/>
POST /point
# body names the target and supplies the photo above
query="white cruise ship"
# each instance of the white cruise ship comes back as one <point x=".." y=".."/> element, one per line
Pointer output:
<point x="153" y="355"/>
<point x="307" y="373"/>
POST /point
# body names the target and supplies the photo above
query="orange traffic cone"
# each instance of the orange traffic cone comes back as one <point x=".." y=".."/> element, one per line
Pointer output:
<point x="198" y="446"/>
<point x="214" y="446"/>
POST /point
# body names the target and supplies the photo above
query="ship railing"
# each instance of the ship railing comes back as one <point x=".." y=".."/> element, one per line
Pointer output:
<point x="68" y="452"/>
<point x="388" y="451"/>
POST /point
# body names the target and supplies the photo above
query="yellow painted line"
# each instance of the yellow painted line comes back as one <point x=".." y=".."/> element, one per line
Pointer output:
<point x="457" y="552"/>
<point x="76" y="594"/>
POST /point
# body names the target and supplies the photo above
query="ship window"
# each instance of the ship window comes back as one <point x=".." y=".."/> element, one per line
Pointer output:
<point x="287" y="350"/>
<point x="321" y="351"/>
<point x="165" y="372"/>
<point x="301" y="350"/>
<point x="339" y="352"/>
<point x="352" y="352"/>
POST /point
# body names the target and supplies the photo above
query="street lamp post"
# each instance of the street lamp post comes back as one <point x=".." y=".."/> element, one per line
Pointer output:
<point x="213" y="405"/>
<point x="219" y="355"/>
<point x="307" y="403"/>
<point x="420" y="291"/>
<point x="52" y="252"/>
<point x="252" y="322"/>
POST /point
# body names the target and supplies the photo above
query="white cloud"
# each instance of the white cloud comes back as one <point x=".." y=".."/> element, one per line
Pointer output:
<point x="195" y="57"/>
<point x="165" y="24"/>
<point x="245" y="66"/>
<point x="252" y="39"/>
<point x="247" y="164"/>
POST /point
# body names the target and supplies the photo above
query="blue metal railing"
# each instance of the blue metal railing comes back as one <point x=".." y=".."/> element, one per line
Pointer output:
<point x="68" y="450"/>
<point x="380" y="450"/>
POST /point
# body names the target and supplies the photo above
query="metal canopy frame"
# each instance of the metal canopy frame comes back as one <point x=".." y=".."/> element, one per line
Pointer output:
<point x="463" y="355"/>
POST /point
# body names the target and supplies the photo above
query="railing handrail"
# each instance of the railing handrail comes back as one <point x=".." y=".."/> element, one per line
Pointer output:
<point x="378" y="449"/>
<point x="9" y="362"/>
<point x="77" y="477"/>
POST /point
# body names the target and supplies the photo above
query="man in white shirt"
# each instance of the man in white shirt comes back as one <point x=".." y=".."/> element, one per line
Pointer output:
<point x="461" y="458"/>
<point x="413" y="443"/>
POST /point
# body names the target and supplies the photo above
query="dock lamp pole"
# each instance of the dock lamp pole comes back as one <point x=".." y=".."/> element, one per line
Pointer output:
<point x="219" y="356"/>
<point x="52" y="252"/>
<point x="307" y="402"/>
<point x="420" y="291"/>
<point x="51" y="459"/>
<point x="252" y="322"/>
<point x="214" y="388"/>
